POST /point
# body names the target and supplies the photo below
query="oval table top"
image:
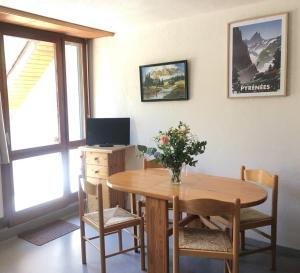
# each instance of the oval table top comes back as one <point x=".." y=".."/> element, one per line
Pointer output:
<point x="156" y="183"/>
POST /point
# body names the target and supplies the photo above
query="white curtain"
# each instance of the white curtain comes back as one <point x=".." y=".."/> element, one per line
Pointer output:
<point x="4" y="158"/>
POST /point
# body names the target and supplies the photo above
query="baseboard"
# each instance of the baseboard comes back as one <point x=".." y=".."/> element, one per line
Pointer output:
<point x="282" y="250"/>
<point x="70" y="210"/>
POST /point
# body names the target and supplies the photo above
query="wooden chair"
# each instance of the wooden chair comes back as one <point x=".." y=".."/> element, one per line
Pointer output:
<point x="253" y="219"/>
<point x="206" y="242"/>
<point x="152" y="164"/>
<point x="105" y="222"/>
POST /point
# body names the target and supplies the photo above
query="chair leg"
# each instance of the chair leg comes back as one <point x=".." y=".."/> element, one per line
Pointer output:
<point x="141" y="214"/>
<point x="176" y="264"/>
<point x="120" y="240"/>
<point x="139" y="210"/>
<point x="142" y="244"/>
<point x="243" y="238"/>
<point x="175" y="258"/>
<point x="230" y="267"/>
<point x="274" y="245"/>
<point x="135" y="240"/>
<point x="225" y="266"/>
<point x="83" y="243"/>
<point x="134" y="205"/>
<point x="234" y="264"/>
<point x="102" y="254"/>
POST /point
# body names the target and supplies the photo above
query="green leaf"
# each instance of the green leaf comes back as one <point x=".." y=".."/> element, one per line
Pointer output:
<point x="151" y="151"/>
<point x="142" y="148"/>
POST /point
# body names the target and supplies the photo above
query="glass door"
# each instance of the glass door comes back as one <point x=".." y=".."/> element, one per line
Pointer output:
<point x="45" y="103"/>
<point x="33" y="111"/>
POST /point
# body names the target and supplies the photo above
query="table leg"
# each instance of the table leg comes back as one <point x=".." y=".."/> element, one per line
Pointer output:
<point x="157" y="237"/>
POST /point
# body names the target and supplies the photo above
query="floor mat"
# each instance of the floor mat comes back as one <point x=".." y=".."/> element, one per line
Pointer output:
<point x="49" y="232"/>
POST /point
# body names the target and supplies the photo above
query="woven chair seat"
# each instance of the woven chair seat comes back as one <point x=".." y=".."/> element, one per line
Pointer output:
<point x="112" y="216"/>
<point x="204" y="239"/>
<point x="249" y="214"/>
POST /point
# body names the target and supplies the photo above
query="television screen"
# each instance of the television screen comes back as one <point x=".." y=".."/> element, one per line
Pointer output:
<point x="108" y="131"/>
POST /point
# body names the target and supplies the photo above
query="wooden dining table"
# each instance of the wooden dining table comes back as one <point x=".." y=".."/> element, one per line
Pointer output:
<point x="156" y="186"/>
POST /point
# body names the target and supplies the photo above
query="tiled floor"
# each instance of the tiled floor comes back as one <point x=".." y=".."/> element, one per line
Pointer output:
<point x="63" y="256"/>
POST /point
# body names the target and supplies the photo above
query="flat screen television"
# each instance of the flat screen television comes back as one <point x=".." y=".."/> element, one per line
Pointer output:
<point x="107" y="132"/>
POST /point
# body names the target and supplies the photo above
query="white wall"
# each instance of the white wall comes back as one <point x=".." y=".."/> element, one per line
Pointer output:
<point x="257" y="132"/>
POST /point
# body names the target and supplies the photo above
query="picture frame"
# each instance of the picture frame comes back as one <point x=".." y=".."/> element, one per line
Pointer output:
<point x="257" y="57"/>
<point x="164" y="81"/>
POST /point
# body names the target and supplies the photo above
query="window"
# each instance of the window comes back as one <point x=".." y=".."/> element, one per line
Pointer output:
<point x="45" y="103"/>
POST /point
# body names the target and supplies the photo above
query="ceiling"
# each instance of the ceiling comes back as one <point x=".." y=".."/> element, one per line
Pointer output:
<point x="117" y="15"/>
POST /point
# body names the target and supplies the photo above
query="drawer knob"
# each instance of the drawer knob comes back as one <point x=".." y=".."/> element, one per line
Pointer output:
<point x="96" y="171"/>
<point x="96" y="158"/>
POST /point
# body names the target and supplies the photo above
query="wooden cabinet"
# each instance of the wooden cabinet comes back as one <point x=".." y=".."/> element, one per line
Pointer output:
<point x="97" y="165"/>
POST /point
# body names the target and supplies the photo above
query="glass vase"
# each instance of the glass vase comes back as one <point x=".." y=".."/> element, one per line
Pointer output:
<point x="175" y="175"/>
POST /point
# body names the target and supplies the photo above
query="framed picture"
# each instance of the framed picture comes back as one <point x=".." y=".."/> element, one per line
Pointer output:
<point x="164" y="81"/>
<point x="257" y="57"/>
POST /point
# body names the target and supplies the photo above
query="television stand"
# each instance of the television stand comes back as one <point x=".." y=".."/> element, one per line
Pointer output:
<point x="106" y="145"/>
<point x="98" y="163"/>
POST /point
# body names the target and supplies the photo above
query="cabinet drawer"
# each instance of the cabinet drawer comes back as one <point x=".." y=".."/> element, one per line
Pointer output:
<point x="95" y="158"/>
<point x="96" y="171"/>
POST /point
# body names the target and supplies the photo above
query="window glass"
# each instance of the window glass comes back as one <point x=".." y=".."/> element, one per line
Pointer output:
<point x="74" y="90"/>
<point x="32" y="92"/>
<point x="37" y="180"/>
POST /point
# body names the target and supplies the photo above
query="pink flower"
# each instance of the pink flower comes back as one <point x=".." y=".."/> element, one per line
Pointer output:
<point x="163" y="139"/>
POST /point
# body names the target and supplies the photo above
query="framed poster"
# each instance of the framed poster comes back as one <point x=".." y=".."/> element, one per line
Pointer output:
<point x="164" y="81"/>
<point x="257" y="57"/>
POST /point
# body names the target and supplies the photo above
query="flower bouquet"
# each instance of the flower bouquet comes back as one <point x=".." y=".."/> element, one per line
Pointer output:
<point x="175" y="147"/>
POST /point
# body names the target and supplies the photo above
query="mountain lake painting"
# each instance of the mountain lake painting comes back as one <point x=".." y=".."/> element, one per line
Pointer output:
<point x="164" y="81"/>
<point x="257" y="51"/>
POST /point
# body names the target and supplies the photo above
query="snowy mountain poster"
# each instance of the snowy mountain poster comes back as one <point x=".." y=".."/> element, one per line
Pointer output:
<point x="257" y="57"/>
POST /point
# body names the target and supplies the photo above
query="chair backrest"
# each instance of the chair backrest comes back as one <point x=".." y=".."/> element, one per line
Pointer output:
<point x="209" y="207"/>
<point x="264" y="178"/>
<point x="259" y="176"/>
<point x="95" y="190"/>
<point x="151" y="164"/>
<point x="88" y="187"/>
<point x="206" y="207"/>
